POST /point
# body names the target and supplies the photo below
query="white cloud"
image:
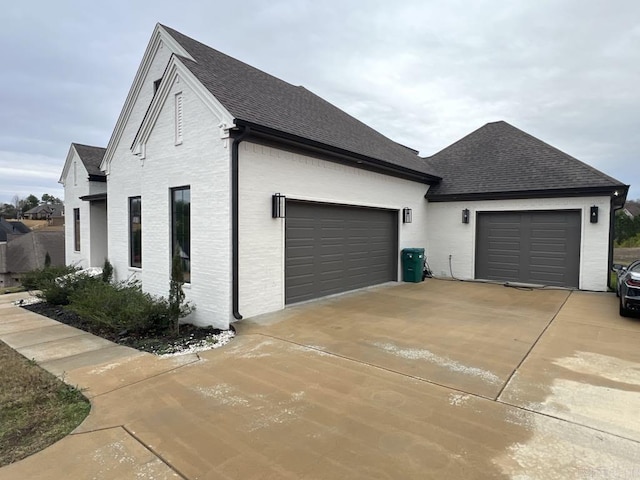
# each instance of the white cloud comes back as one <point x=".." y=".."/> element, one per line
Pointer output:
<point x="423" y="73"/>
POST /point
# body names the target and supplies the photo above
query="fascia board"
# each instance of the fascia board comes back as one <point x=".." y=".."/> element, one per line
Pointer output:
<point x="159" y="35"/>
<point x="67" y="163"/>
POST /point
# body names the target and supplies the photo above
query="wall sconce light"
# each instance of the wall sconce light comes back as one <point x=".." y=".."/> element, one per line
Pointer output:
<point x="278" y="206"/>
<point x="407" y="215"/>
<point x="594" y="214"/>
<point x="465" y="215"/>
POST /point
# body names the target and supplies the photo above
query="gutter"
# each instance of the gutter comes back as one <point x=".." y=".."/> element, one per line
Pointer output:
<point x="235" y="229"/>
<point x="359" y="159"/>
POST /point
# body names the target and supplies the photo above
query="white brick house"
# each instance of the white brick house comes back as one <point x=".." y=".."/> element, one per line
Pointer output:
<point x="205" y="142"/>
<point x="85" y="188"/>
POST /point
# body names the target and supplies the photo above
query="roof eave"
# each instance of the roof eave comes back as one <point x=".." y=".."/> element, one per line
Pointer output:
<point x="615" y="191"/>
<point x="358" y="159"/>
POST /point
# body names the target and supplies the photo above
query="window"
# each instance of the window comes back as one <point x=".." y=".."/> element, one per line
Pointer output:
<point x="135" y="232"/>
<point x="178" y="102"/>
<point x="181" y="227"/>
<point x="76" y="229"/>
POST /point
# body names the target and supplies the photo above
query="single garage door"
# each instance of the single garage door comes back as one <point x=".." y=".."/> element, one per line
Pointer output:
<point x="529" y="247"/>
<point x="334" y="248"/>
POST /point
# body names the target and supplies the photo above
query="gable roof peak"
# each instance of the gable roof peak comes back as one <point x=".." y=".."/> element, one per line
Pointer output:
<point x="260" y="100"/>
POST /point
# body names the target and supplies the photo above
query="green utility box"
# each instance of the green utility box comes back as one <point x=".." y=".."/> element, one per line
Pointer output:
<point x="412" y="264"/>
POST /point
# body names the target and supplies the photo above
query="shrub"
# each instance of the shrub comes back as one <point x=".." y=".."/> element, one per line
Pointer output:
<point x="120" y="308"/>
<point x="630" y="242"/>
<point x="107" y="271"/>
<point x="42" y="278"/>
<point x="178" y="308"/>
<point x="59" y="291"/>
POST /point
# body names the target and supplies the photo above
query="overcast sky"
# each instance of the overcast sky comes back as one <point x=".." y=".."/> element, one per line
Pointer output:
<point x="424" y="73"/>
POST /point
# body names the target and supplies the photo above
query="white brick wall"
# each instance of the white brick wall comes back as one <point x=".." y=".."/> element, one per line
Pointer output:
<point x="447" y="235"/>
<point x="201" y="161"/>
<point x="92" y="221"/>
<point x="265" y="171"/>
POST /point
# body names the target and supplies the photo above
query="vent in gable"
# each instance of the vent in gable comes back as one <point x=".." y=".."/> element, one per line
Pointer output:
<point x="179" y="118"/>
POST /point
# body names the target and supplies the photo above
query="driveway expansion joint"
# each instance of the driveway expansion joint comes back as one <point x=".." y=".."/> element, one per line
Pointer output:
<point x="378" y="367"/>
<point x="155" y="375"/>
<point x="154" y="453"/>
<point x="533" y="345"/>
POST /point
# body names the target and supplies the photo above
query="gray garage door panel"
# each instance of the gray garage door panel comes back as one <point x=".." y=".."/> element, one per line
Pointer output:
<point x="332" y="248"/>
<point x="529" y="247"/>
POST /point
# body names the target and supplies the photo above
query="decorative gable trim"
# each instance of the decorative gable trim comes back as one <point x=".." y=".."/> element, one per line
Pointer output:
<point x="159" y="39"/>
<point x="177" y="72"/>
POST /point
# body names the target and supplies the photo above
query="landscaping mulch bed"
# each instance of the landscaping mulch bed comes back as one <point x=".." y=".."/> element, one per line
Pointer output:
<point x="190" y="338"/>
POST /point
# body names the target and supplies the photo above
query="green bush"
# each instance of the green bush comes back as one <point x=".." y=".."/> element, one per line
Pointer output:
<point x="43" y="277"/>
<point x="60" y="290"/>
<point x="630" y="242"/>
<point x="120" y="308"/>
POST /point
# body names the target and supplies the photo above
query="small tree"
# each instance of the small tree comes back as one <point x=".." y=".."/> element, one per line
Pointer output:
<point x="178" y="308"/>
<point x="107" y="271"/>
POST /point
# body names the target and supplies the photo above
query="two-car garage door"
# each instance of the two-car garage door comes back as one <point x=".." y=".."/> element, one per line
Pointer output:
<point x="538" y="247"/>
<point x="335" y="248"/>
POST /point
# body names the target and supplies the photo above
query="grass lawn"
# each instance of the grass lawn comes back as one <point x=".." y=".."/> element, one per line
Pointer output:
<point x="12" y="290"/>
<point x="36" y="409"/>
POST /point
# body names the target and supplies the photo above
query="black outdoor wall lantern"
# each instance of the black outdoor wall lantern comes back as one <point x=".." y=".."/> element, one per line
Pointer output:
<point x="278" y="206"/>
<point x="407" y="215"/>
<point x="465" y="215"/>
<point x="594" y="214"/>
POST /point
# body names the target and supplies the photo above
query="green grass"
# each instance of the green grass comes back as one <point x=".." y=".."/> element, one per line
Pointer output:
<point x="36" y="408"/>
<point x="12" y="289"/>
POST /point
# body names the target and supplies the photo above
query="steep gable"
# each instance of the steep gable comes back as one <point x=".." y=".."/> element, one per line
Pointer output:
<point x="255" y="97"/>
<point x="502" y="161"/>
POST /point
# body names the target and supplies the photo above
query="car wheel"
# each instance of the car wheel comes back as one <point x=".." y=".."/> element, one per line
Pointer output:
<point x="623" y="311"/>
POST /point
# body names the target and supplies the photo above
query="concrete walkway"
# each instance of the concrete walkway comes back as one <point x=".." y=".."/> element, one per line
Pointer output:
<point x="433" y="380"/>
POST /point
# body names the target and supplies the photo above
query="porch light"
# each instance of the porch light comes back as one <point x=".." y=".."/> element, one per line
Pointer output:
<point x="594" y="214"/>
<point x="465" y="215"/>
<point x="407" y="215"/>
<point x="278" y="206"/>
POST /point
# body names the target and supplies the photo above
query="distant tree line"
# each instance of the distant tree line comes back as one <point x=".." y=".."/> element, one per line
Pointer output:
<point x="627" y="229"/>
<point x="19" y="206"/>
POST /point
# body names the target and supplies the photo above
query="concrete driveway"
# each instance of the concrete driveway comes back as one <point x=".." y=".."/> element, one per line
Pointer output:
<point x="433" y="380"/>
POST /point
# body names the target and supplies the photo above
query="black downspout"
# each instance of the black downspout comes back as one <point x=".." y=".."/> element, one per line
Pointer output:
<point x="612" y="228"/>
<point x="235" y="230"/>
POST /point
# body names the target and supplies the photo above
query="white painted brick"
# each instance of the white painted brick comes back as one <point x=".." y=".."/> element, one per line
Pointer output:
<point x="200" y="161"/>
<point x="265" y="171"/>
<point x="92" y="220"/>
<point x="447" y="235"/>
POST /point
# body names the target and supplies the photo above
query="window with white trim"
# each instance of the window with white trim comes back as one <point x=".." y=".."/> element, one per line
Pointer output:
<point x="179" y="117"/>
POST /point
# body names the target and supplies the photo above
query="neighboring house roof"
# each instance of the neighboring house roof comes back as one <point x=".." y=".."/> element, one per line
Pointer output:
<point x="18" y="227"/>
<point x="11" y="228"/>
<point x="632" y="209"/>
<point x="53" y="209"/>
<point x="254" y="97"/>
<point x="28" y="252"/>
<point x="500" y="161"/>
<point x="91" y="157"/>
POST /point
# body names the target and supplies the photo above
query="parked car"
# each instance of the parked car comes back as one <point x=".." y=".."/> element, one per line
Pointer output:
<point x="628" y="287"/>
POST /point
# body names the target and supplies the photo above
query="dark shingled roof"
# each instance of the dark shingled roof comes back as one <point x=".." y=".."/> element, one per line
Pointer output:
<point x="28" y="252"/>
<point x="256" y="97"/>
<point x="500" y="159"/>
<point x="8" y="228"/>
<point x="91" y="158"/>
